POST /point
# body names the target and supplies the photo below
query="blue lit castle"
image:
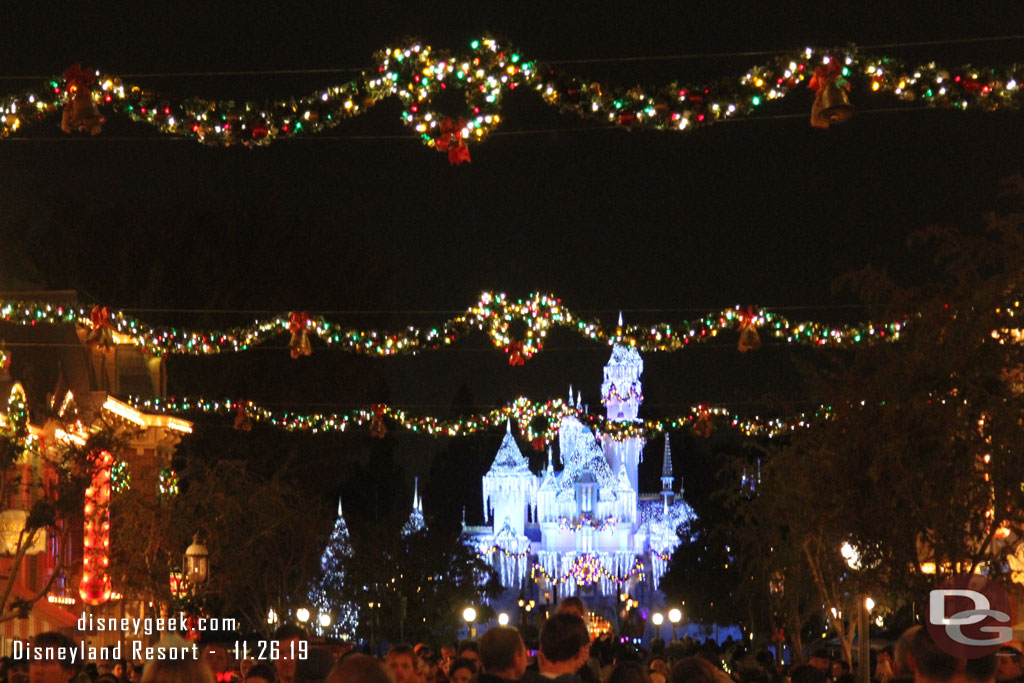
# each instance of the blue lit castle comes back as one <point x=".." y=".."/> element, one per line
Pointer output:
<point x="586" y="528"/>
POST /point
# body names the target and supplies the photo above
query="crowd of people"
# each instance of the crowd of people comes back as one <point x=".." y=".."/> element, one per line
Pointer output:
<point x="565" y="653"/>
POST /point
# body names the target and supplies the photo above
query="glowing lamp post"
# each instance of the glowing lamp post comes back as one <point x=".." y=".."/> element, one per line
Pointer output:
<point x="658" y="619"/>
<point x="864" y="607"/>
<point x="302" y="614"/>
<point x="502" y="619"/>
<point x="675" y="615"/>
<point x="197" y="564"/>
<point x="469" y="614"/>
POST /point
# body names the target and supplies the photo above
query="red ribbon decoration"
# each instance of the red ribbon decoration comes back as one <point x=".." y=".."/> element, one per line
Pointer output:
<point x="538" y="443"/>
<point x="378" y="430"/>
<point x="825" y="75"/>
<point x="298" y="322"/>
<point x="77" y="77"/>
<point x="750" y="340"/>
<point x="515" y="353"/>
<point x="100" y="318"/>
<point x="451" y="141"/>
<point x="243" y="423"/>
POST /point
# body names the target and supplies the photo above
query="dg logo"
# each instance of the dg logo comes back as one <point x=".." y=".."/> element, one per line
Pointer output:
<point x="968" y="616"/>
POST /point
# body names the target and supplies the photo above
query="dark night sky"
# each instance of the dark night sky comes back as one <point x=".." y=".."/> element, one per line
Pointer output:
<point x="753" y="211"/>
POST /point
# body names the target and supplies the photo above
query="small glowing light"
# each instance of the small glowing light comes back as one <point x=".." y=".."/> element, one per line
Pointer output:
<point x="503" y="619"/>
<point x="302" y="614"/>
<point x="469" y="615"/>
<point x="675" y="615"/>
<point x="658" y="618"/>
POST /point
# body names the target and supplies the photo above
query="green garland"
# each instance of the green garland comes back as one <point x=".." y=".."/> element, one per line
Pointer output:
<point x="493" y="313"/>
<point x="416" y="74"/>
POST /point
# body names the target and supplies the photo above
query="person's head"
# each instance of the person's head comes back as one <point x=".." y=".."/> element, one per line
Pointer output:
<point x="314" y="666"/>
<point x="572" y="605"/>
<point x="462" y="670"/>
<point x="657" y="663"/>
<point x="502" y="652"/>
<point x="693" y="670"/>
<point x="51" y="661"/>
<point x="358" y="668"/>
<point x="901" y="652"/>
<point x="260" y="672"/>
<point x="401" y="659"/>
<point x="216" y="657"/>
<point x="288" y="635"/>
<point x="1008" y="660"/>
<point x="564" y="644"/>
<point x="187" y="670"/>
<point x="981" y="669"/>
<point x="807" y="674"/>
<point x="629" y="672"/>
<point x="469" y="649"/>
<point x="928" y="662"/>
<point x="820" y="660"/>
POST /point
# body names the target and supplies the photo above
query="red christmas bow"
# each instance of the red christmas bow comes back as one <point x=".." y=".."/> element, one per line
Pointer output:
<point x="378" y="430"/>
<point x="100" y="318"/>
<point x="451" y="141"/>
<point x="243" y="422"/>
<point x="515" y="353"/>
<point x="298" y="322"/>
<point x="826" y="75"/>
<point x="77" y="77"/>
<point x="750" y="340"/>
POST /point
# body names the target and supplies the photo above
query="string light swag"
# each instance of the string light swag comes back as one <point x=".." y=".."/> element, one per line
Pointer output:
<point x="417" y="74"/>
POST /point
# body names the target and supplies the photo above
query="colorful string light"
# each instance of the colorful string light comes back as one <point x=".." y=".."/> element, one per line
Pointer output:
<point x="586" y="520"/>
<point x="493" y="313"/>
<point x="416" y="74"/>
<point x="484" y="552"/>
<point x="587" y="569"/>
<point x="522" y="410"/>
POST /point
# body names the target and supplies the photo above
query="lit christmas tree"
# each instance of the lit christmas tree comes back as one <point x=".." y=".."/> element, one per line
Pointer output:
<point x="327" y="594"/>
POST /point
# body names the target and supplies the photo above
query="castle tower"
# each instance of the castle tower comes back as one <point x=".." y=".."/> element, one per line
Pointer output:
<point x="415" y="522"/>
<point x="622" y="394"/>
<point x="509" y="487"/>
<point x="666" y="475"/>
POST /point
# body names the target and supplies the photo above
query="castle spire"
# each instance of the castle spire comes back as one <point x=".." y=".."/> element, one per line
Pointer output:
<point x="508" y="425"/>
<point x="666" y="475"/>
<point x="339" y="506"/>
<point x="571" y="405"/>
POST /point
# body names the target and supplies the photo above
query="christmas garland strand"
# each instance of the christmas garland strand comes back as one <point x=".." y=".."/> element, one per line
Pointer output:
<point x="493" y="313"/>
<point x="416" y="74"/>
<point x="538" y="422"/>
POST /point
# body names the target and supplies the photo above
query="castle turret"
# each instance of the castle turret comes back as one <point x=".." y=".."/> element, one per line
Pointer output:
<point x="622" y="394"/>
<point x="509" y="488"/>
<point x="666" y="475"/>
<point x="415" y="522"/>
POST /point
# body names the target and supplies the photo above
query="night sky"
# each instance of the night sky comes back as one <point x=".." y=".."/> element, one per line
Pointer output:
<point x="369" y="226"/>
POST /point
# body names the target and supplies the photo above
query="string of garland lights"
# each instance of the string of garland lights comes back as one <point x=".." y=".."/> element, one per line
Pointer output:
<point x="586" y="520"/>
<point x="587" y="569"/>
<point x="700" y="418"/>
<point x="494" y="314"/>
<point x="416" y="74"/>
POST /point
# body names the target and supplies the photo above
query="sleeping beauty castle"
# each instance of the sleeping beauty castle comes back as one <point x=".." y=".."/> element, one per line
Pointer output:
<point x="584" y="529"/>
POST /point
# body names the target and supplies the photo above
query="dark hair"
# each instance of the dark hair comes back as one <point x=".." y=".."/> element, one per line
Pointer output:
<point x="62" y="645"/>
<point x="499" y="647"/>
<point x="358" y="668"/>
<point x="931" y="661"/>
<point x="982" y="668"/>
<point x="262" y="670"/>
<point x="467" y="645"/>
<point x="629" y="672"/>
<point x="402" y="650"/>
<point x="562" y="637"/>
<point x="462" y="663"/>
<point x="286" y="631"/>
<point x="693" y="670"/>
<point x="572" y="602"/>
<point x="807" y="674"/>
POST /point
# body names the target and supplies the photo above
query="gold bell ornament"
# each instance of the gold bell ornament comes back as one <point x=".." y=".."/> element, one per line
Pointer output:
<point x="80" y="113"/>
<point x="831" y="100"/>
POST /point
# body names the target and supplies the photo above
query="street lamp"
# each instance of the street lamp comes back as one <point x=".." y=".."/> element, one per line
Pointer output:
<point x="324" y="619"/>
<point x="196" y="564"/>
<point x="675" y="615"/>
<point x="302" y="614"/>
<point x="864" y="606"/>
<point x="502" y="619"/>
<point x="658" y="619"/>
<point x="469" y="614"/>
